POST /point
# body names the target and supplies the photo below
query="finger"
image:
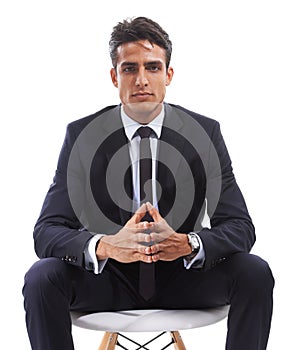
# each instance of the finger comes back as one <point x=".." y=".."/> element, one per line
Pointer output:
<point x="147" y="259"/>
<point x="160" y="236"/>
<point x="154" y="249"/>
<point x="134" y="229"/>
<point x="138" y="215"/>
<point x="144" y="258"/>
<point x="155" y="257"/>
<point x="142" y="238"/>
<point x="144" y="226"/>
<point x="153" y="212"/>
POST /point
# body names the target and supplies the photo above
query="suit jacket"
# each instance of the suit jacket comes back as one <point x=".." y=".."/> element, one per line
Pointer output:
<point x="92" y="188"/>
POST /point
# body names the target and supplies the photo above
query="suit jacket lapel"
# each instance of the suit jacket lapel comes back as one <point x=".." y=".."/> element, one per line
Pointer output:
<point x="113" y="126"/>
<point x="170" y="150"/>
<point x="171" y="131"/>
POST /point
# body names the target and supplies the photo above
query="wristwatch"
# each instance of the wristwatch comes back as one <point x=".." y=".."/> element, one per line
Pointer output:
<point x="194" y="243"/>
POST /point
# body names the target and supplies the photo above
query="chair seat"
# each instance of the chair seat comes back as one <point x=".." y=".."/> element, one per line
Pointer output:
<point x="152" y="320"/>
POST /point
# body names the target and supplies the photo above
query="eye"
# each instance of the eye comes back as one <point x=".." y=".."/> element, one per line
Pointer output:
<point x="153" y="68"/>
<point x="129" y="69"/>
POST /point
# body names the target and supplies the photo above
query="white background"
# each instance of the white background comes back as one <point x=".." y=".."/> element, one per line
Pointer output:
<point x="231" y="61"/>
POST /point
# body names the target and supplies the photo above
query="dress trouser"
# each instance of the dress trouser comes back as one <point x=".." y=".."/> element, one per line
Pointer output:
<point x="52" y="288"/>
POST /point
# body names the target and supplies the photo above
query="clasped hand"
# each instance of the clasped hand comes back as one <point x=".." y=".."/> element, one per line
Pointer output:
<point x="144" y="241"/>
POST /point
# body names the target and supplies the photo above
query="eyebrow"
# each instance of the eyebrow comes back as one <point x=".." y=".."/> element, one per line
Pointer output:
<point x="150" y="63"/>
<point x="154" y="63"/>
<point x="128" y="64"/>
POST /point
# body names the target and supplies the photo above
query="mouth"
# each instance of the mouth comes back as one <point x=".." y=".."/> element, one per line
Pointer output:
<point x="141" y="95"/>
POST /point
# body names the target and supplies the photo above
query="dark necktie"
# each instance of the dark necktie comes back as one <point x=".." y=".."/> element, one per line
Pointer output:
<point x="147" y="271"/>
<point x="145" y="163"/>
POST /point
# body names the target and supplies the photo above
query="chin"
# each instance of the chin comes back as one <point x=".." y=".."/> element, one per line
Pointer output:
<point x="143" y="112"/>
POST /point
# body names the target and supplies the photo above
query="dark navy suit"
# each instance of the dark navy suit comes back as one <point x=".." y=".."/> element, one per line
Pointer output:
<point x="92" y="193"/>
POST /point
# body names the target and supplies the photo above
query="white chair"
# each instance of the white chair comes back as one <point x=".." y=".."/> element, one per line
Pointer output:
<point x="116" y="323"/>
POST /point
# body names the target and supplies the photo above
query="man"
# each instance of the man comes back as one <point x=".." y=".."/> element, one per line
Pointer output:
<point x="110" y="237"/>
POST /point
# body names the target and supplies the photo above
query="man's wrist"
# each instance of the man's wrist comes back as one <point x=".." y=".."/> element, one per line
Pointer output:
<point x="101" y="249"/>
<point x="92" y="263"/>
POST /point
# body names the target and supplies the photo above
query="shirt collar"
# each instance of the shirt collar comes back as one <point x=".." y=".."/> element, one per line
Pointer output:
<point x="131" y="125"/>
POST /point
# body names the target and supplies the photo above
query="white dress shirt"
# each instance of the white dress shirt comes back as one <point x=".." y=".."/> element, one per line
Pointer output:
<point x="131" y="126"/>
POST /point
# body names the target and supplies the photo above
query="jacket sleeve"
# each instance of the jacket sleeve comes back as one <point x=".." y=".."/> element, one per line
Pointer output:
<point x="58" y="232"/>
<point x="231" y="229"/>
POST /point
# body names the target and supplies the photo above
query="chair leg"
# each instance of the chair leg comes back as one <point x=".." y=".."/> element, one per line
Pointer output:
<point x="109" y="341"/>
<point x="178" y="342"/>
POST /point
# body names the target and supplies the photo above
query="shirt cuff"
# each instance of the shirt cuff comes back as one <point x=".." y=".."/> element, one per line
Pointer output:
<point x="91" y="261"/>
<point x="198" y="261"/>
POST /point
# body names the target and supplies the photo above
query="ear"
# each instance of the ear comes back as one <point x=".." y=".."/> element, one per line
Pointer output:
<point x="169" y="75"/>
<point x="114" y="77"/>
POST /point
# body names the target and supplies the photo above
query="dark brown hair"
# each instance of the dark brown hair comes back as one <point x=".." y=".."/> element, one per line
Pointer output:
<point x="140" y="28"/>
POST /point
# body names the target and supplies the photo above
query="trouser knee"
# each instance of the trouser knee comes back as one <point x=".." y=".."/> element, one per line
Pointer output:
<point x="252" y="274"/>
<point x="43" y="276"/>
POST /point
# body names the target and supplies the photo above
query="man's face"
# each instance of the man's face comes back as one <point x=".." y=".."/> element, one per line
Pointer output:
<point x="141" y="78"/>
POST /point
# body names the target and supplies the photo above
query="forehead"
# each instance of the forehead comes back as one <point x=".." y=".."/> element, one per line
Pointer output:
<point x="140" y="51"/>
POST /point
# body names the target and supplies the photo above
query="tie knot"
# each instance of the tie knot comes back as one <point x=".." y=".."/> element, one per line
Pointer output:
<point x="144" y="131"/>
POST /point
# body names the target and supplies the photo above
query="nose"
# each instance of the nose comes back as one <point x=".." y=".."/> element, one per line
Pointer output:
<point x="141" y="79"/>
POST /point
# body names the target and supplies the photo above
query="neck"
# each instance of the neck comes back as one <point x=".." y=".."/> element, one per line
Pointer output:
<point x="143" y="113"/>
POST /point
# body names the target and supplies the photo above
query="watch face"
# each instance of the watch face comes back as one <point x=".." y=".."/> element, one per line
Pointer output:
<point x="194" y="242"/>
